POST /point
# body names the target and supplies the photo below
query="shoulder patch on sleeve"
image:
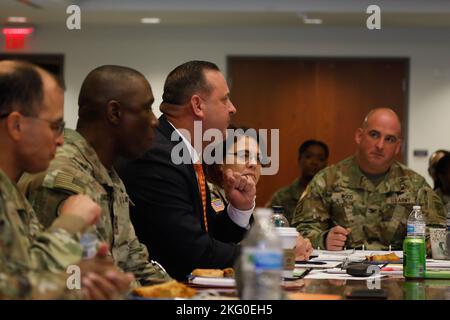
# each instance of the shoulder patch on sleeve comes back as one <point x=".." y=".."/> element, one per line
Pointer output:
<point x="66" y="182"/>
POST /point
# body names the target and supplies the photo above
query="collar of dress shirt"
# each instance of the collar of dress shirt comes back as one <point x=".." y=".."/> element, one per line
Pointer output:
<point x="192" y="152"/>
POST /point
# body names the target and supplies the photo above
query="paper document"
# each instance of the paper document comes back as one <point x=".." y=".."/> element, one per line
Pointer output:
<point x="441" y="264"/>
<point x="353" y="255"/>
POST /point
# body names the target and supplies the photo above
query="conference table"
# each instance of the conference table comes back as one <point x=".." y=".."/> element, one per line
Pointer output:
<point x="388" y="283"/>
<point x="392" y="288"/>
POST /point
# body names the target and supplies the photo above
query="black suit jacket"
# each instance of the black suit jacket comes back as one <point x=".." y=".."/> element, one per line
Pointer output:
<point x="168" y="212"/>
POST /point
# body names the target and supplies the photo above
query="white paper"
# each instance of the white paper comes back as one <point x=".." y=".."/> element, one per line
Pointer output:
<point x="441" y="264"/>
<point x="353" y="255"/>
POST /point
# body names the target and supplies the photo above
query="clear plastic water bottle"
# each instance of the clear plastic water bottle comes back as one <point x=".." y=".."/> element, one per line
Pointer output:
<point x="278" y="218"/>
<point x="416" y="223"/>
<point x="89" y="242"/>
<point x="414" y="249"/>
<point x="261" y="261"/>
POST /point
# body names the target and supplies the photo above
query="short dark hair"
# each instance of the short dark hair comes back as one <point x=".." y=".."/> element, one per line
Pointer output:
<point x="308" y="143"/>
<point x="21" y="89"/>
<point x="102" y="84"/>
<point x="186" y="79"/>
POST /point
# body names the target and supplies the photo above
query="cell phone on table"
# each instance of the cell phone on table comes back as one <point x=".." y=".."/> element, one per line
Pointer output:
<point x="378" y="294"/>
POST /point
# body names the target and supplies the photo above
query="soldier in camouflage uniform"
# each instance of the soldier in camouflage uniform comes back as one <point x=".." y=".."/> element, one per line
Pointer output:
<point x="33" y="262"/>
<point x="367" y="198"/>
<point x="312" y="157"/>
<point x="79" y="168"/>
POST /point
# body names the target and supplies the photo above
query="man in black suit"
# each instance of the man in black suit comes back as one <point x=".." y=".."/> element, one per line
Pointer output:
<point x="172" y="211"/>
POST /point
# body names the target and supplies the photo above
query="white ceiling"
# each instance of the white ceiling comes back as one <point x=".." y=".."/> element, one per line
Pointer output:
<point x="268" y="13"/>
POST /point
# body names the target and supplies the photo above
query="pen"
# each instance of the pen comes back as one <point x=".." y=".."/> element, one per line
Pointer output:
<point x="310" y="262"/>
<point x="304" y="274"/>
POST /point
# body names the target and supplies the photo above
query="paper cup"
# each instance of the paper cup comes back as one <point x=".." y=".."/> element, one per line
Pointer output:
<point x="288" y="237"/>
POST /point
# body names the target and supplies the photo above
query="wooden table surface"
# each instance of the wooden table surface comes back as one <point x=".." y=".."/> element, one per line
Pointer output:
<point x="396" y="288"/>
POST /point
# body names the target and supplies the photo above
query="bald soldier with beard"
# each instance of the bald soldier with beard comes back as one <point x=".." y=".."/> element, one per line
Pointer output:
<point x="366" y="199"/>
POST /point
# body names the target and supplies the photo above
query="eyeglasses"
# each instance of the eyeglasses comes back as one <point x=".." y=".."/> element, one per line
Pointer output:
<point x="56" y="127"/>
<point x="245" y="157"/>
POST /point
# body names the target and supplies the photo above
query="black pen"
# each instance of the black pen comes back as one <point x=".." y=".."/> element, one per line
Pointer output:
<point x="310" y="262"/>
<point x="304" y="274"/>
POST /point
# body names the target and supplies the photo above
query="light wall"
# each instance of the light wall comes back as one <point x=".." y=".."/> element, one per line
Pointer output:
<point x="157" y="50"/>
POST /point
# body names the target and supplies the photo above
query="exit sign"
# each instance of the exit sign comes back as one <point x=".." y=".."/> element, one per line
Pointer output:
<point x="15" y="37"/>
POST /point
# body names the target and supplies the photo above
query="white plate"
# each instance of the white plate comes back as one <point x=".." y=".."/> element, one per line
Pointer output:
<point x="213" y="282"/>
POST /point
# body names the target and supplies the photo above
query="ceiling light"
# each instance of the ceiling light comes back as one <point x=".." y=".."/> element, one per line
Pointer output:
<point x="151" y="20"/>
<point x="17" y="19"/>
<point x="307" y="20"/>
<point x="312" y="21"/>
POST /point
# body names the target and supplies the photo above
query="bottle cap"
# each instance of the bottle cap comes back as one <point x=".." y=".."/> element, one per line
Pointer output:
<point x="278" y="209"/>
<point x="416" y="207"/>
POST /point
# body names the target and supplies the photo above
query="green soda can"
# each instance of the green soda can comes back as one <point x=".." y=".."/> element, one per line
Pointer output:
<point x="414" y="257"/>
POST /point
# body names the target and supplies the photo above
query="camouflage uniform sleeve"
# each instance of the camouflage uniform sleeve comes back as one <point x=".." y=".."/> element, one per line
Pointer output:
<point x="145" y="272"/>
<point x="58" y="246"/>
<point x="46" y="203"/>
<point x="36" y="285"/>
<point x="45" y="200"/>
<point x="55" y="249"/>
<point x="431" y="205"/>
<point x="311" y="215"/>
<point x="26" y="258"/>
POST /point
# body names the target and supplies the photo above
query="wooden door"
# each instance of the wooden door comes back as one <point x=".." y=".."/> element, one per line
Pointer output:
<point x="307" y="98"/>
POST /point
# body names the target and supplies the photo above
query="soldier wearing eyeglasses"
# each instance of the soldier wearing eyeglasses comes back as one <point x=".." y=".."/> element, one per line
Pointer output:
<point x="34" y="261"/>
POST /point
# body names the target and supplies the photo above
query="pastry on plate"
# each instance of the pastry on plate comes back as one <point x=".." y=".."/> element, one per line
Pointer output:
<point x="390" y="257"/>
<point x="214" y="273"/>
<point x="228" y="273"/>
<point x="171" y="289"/>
